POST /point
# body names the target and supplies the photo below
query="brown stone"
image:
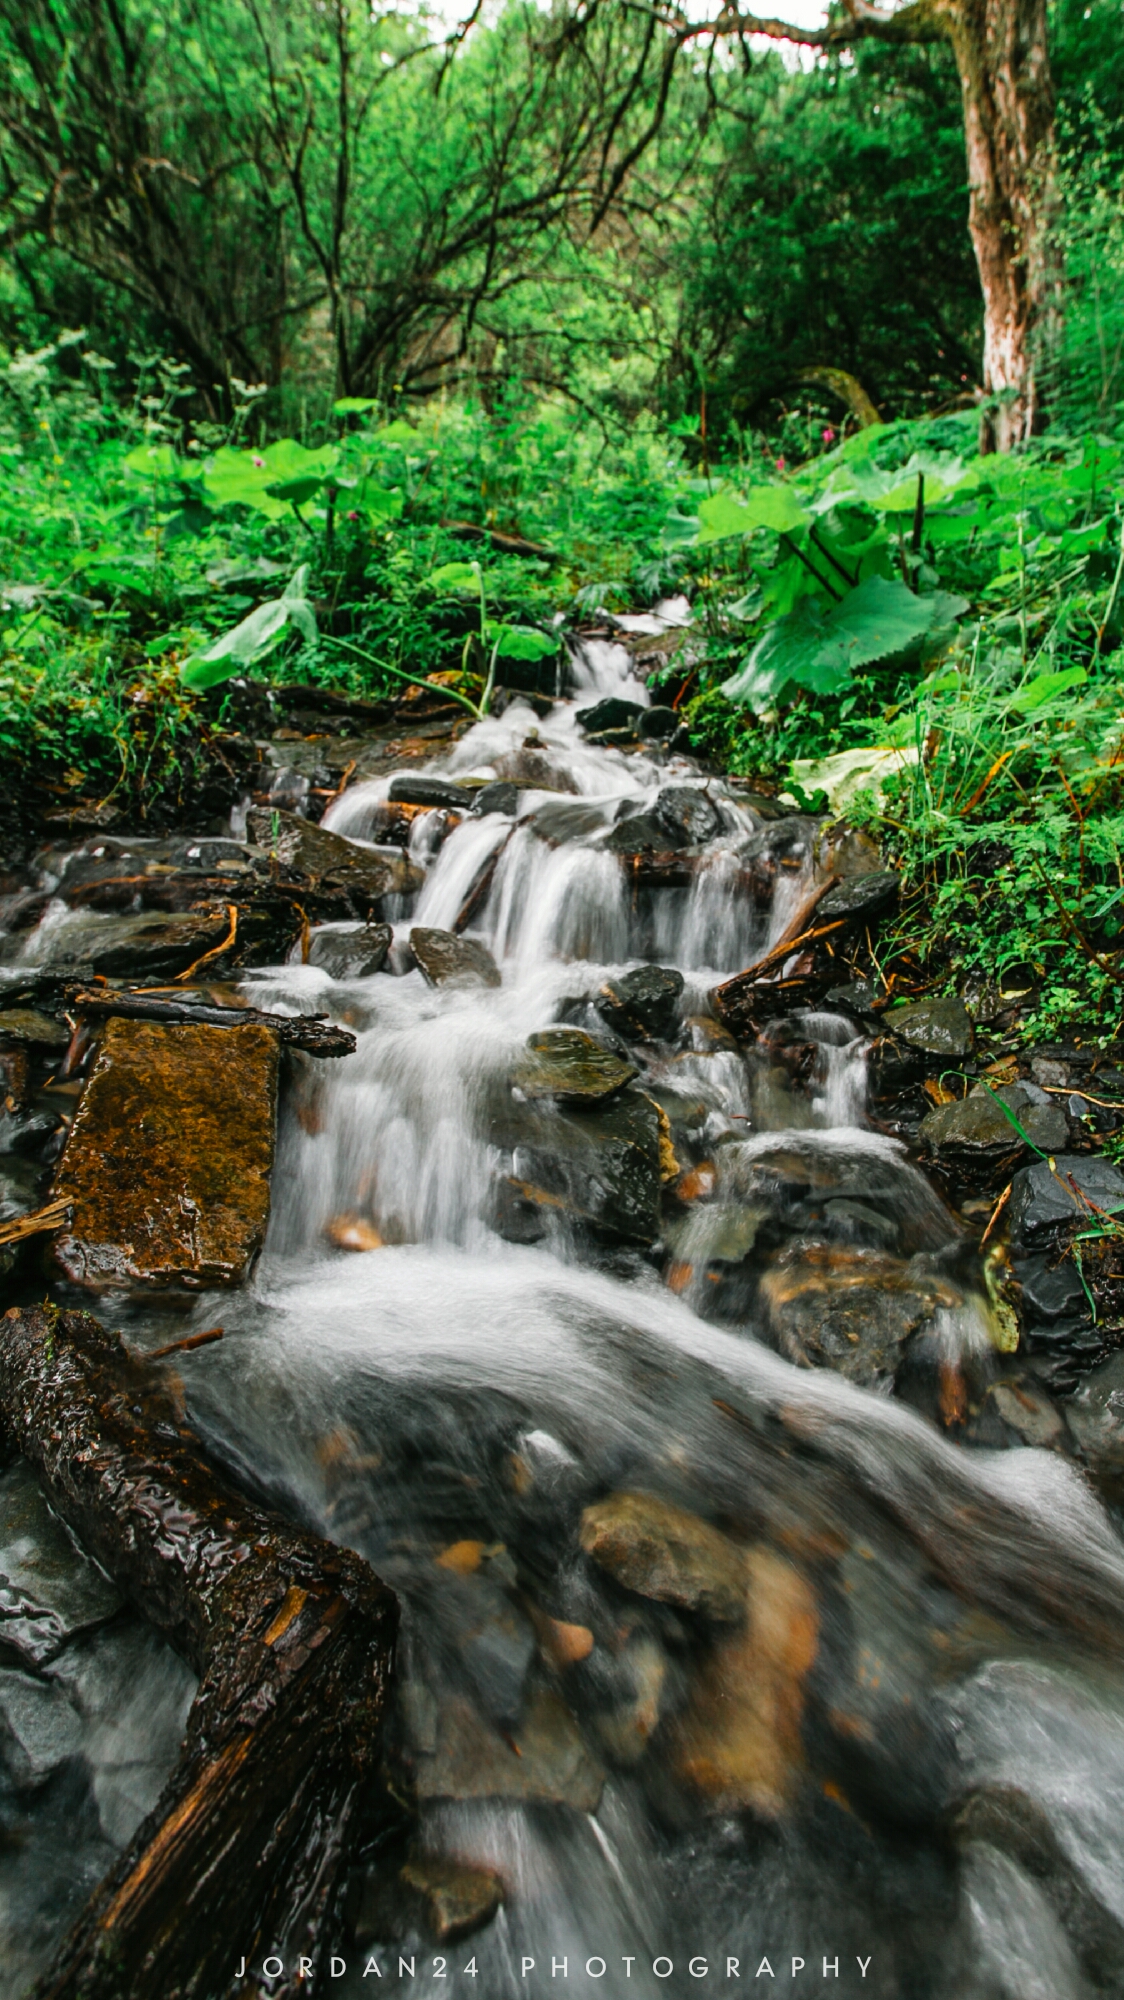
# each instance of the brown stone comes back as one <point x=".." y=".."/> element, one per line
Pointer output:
<point x="739" y="1741"/>
<point x="447" y="960"/>
<point x="851" y="1310"/>
<point x="544" y="1758"/>
<point x="168" y="1161"/>
<point x="453" y="1900"/>
<point x="328" y="858"/>
<point x="352" y="1232"/>
<point x="664" y="1552"/>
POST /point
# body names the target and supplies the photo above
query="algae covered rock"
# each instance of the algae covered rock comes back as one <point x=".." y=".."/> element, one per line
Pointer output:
<point x="168" y="1161"/>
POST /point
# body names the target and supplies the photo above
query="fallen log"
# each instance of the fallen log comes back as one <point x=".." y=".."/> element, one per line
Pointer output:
<point x="313" y="1033"/>
<point x="293" y="1642"/>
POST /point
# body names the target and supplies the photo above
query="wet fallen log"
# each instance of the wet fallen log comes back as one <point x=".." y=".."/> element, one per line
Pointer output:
<point x="313" y="1033"/>
<point x="292" y="1639"/>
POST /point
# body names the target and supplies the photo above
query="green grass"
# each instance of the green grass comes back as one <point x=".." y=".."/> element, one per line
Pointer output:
<point x="131" y="541"/>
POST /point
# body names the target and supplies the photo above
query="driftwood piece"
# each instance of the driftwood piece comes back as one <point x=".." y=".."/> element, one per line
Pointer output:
<point x="753" y="994"/>
<point x="313" y="1033"/>
<point x="292" y="1639"/>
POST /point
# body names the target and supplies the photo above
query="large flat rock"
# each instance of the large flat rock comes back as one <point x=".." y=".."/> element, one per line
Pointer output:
<point x="168" y="1161"/>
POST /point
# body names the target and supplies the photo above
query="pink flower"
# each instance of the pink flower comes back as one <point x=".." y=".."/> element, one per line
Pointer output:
<point x="829" y="435"/>
<point x="780" y="465"/>
<point x="353" y="515"/>
<point x="258" y="461"/>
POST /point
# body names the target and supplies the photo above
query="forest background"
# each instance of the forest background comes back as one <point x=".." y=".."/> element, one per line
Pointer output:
<point x="287" y="288"/>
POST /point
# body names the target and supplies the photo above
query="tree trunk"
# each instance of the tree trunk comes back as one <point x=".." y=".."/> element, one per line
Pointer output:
<point x="1008" y="95"/>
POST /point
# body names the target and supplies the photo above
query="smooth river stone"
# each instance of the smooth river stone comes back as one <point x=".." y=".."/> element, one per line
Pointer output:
<point x="662" y="1551"/>
<point x="447" y="960"/>
<point x="49" y="1590"/>
<point x="572" y="1066"/>
<point x="168" y="1161"/>
<point x="550" y="1764"/>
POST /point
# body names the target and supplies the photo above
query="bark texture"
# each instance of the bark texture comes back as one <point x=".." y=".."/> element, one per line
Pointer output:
<point x="293" y="1642"/>
<point x="1002" y="56"/>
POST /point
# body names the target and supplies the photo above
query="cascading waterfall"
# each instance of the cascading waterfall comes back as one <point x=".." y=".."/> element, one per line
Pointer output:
<point x="902" y="1747"/>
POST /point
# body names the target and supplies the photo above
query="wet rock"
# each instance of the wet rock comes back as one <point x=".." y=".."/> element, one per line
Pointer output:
<point x="689" y="815"/>
<point x="49" y="1590"/>
<point x="629" y="1688"/>
<point x="642" y="1003"/>
<point x="656" y="724"/>
<point x="408" y="790"/>
<point x="134" y="947"/>
<point x="354" y="953"/>
<point x="850" y="1310"/>
<point x="661" y="1551"/>
<point x="452" y="1901"/>
<point x="939" y="1027"/>
<point x="498" y="797"/>
<point x="739" y="1742"/>
<point x="168" y="1161"/>
<point x="1095" y="1418"/>
<point x="561" y="820"/>
<point x="855" y="999"/>
<point x="860" y="898"/>
<point x="1042" y="1203"/>
<point x="709" y="1037"/>
<point x="640" y="833"/>
<point x="474" y="1621"/>
<point x="446" y="960"/>
<point x="25" y="1025"/>
<point x="976" y="1123"/>
<point x="1040" y="1765"/>
<point x="1029" y="1412"/>
<point x="598" y="1166"/>
<point x="567" y="1064"/>
<point x="362" y="874"/>
<point x="39" y="1729"/>
<point x="545" y="1760"/>
<point x="611" y="713"/>
<point x="132" y="1693"/>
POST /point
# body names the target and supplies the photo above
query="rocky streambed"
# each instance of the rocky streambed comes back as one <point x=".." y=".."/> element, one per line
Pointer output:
<point x="504" y="1163"/>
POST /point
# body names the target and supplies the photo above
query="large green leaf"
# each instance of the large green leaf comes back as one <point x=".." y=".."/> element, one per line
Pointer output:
<point x="456" y="576"/>
<point x="775" y="507"/>
<point x="268" y="480"/>
<point x="818" y="646"/>
<point x="520" y="642"/>
<point x="254" y="637"/>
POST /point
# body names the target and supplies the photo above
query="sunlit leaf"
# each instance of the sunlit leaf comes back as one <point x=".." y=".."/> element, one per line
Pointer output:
<point x="818" y="646"/>
<point x="775" y="507"/>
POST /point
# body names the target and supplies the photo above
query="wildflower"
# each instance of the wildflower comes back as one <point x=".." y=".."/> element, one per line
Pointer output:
<point x="780" y="465"/>
<point x="829" y="435"/>
<point x="258" y="461"/>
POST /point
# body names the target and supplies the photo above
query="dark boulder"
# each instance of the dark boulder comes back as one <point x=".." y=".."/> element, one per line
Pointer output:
<point x="354" y="953"/>
<point x="498" y="797"/>
<point x="643" y="1003"/>
<point x="363" y="875"/>
<point x="655" y="725"/>
<point x="862" y="898"/>
<point x="611" y="713"/>
<point x="689" y="815"/>
<point x="1044" y="1202"/>
<point x="937" y="1027"/>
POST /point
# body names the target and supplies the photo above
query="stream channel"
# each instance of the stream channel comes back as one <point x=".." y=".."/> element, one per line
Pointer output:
<point x="731" y="1670"/>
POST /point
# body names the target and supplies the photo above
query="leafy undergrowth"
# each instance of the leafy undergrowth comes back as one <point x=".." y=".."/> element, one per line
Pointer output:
<point x="961" y="617"/>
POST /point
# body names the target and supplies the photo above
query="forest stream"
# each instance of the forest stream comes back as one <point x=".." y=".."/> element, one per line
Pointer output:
<point x="615" y="1346"/>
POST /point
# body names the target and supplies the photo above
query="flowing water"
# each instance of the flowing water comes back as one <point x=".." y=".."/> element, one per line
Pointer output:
<point x="896" y="1763"/>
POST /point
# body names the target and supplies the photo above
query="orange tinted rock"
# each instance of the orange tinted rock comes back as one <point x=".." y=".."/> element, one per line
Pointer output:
<point x="699" y="1183"/>
<point x="351" y="1232"/>
<point x="463" y="1558"/>
<point x="168" y="1161"/>
<point x="739" y="1741"/>
<point x="662" y="1551"/>
<point x="564" y="1645"/>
